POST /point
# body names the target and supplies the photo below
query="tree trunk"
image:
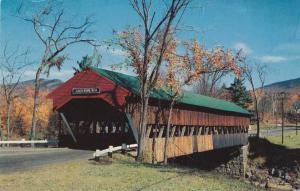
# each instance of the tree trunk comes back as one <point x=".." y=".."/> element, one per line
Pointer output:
<point x="1" y="134"/>
<point x="257" y="119"/>
<point x="276" y="119"/>
<point x="143" y="124"/>
<point x="8" y="111"/>
<point x="255" y="106"/>
<point x="296" y="124"/>
<point x="35" y="104"/>
<point x="168" y="133"/>
<point x="154" y="144"/>
<point x="157" y="120"/>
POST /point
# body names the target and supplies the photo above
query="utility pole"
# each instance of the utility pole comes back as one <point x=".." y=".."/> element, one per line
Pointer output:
<point x="296" y="123"/>
<point x="282" y="116"/>
<point x="276" y="116"/>
<point x="296" y="116"/>
<point x="1" y="139"/>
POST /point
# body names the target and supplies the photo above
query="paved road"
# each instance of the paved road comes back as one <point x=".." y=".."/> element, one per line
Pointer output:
<point x="275" y="131"/>
<point x="16" y="160"/>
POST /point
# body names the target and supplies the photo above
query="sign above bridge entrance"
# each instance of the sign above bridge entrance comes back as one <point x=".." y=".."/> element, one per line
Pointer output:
<point x="85" y="91"/>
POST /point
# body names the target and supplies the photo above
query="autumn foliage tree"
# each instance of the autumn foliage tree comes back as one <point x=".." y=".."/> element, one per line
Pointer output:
<point x="22" y="113"/>
<point x="187" y="68"/>
<point x="146" y="46"/>
<point x="12" y="64"/>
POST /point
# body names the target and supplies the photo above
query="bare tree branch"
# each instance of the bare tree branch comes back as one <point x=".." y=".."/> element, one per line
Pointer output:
<point x="12" y="66"/>
<point x="257" y="92"/>
<point x="56" y="35"/>
<point x="146" y="47"/>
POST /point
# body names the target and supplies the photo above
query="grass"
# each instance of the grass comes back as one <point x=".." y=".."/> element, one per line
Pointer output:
<point x="122" y="173"/>
<point x="291" y="140"/>
<point x="268" y="153"/>
<point x="266" y="126"/>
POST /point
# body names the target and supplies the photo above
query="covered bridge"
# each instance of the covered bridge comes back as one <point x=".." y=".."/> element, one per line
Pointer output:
<point x="99" y="107"/>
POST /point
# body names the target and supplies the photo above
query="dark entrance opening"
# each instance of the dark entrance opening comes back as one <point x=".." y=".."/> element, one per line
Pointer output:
<point x="95" y="125"/>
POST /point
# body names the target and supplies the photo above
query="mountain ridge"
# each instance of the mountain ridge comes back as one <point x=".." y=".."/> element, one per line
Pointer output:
<point x="45" y="84"/>
<point x="290" y="86"/>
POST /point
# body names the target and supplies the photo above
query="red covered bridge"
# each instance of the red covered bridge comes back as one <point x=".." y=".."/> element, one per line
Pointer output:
<point x="100" y="107"/>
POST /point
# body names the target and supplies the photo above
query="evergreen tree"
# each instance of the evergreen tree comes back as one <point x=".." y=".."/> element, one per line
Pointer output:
<point x="88" y="61"/>
<point x="239" y="93"/>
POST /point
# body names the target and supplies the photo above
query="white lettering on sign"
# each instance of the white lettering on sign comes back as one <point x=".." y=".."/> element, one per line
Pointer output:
<point x="85" y="91"/>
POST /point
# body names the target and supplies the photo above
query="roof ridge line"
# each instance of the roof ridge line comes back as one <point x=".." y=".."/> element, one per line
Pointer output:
<point x="131" y="83"/>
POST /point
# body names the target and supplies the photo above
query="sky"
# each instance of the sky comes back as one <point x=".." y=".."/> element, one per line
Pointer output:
<point x="268" y="31"/>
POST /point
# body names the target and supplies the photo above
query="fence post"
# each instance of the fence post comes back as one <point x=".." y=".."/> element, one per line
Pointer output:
<point x="110" y="151"/>
<point x="123" y="148"/>
<point x="97" y="155"/>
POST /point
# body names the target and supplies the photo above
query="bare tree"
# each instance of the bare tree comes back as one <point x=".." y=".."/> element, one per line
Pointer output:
<point x="257" y="92"/>
<point x="56" y="35"/>
<point x="146" y="47"/>
<point x="12" y="65"/>
<point x="208" y="82"/>
<point x="273" y="96"/>
<point x="270" y="104"/>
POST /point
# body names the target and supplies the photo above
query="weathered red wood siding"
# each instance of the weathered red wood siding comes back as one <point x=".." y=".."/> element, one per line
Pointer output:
<point x="201" y="129"/>
<point x="110" y="92"/>
<point x="185" y="145"/>
<point x="196" y="117"/>
<point x="116" y="96"/>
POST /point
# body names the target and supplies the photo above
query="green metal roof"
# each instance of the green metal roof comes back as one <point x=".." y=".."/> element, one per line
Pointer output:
<point x="132" y="83"/>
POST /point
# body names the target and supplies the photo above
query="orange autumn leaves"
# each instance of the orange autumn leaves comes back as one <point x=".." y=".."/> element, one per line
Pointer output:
<point x="186" y="68"/>
<point x="22" y="113"/>
<point x="184" y="63"/>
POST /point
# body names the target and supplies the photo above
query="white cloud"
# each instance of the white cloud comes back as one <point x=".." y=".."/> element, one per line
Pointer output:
<point x="271" y="59"/>
<point x="54" y="74"/>
<point x="242" y="46"/>
<point x="63" y="74"/>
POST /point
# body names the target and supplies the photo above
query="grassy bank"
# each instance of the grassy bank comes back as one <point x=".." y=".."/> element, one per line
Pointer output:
<point x="120" y="174"/>
<point x="291" y="140"/>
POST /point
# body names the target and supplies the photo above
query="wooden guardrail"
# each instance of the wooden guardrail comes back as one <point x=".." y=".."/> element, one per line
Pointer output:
<point x="112" y="149"/>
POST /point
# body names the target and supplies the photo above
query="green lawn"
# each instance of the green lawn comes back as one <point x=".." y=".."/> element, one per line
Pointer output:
<point x="291" y="140"/>
<point x="123" y="173"/>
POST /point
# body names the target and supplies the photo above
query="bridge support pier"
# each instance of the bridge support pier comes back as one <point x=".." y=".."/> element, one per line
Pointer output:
<point x="237" y="165"/>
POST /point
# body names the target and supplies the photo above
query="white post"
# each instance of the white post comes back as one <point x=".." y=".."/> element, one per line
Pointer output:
<point x="97" y="155"/>
<point x="110" y="150"/>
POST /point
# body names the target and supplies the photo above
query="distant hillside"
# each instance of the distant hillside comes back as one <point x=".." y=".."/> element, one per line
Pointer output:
<point x="291" y="86"/>
<point x="48" y="85"/>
